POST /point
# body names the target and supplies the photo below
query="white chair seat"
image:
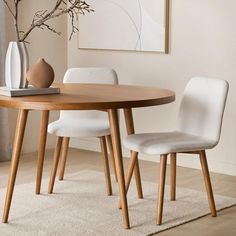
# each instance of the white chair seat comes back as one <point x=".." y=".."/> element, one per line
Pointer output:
<point x="88" y="127"/>
<point x="168" y="142"/>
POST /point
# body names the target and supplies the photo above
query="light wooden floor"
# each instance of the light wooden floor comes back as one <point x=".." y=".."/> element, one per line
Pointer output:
<point x="223" y="225"/>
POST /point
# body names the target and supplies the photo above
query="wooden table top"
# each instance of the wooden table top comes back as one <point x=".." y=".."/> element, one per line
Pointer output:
<point x="92" y="97"/>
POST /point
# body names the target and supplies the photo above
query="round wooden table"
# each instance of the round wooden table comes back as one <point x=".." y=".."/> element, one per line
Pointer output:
<point x="109" y="98"/>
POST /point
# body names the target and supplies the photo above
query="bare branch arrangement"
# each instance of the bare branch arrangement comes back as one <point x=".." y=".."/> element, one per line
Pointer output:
<point x="40" y="20"/>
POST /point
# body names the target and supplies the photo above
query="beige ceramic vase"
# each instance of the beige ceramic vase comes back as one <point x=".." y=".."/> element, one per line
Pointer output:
<point x="41" y="74"/>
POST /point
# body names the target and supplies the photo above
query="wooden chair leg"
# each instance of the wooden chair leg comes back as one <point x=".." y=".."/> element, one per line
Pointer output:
<point x="173" y="176"/>
<point x="161" y="188"/>
<point x="65" y="146"/>
<point x="207" y="180"/>
<point x="106" y="165"/>
<point x="55" y="164"/>
<point x="137" y="176"/>
<point x="132" y="162"/>
<point x="129" y="121"/>
<point x="112" y="156"/>
<point x="19" y="135"/>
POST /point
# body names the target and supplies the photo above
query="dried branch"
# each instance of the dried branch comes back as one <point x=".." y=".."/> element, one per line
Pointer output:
<point x="16" y="19"/>
<point x="73" y="8"/>
<point x="41" y="17"/>
<point x="15" y="15"/>
<point x="8" y="7"/>
<point x="74" y="28"/>
<point x="50" y="28"/>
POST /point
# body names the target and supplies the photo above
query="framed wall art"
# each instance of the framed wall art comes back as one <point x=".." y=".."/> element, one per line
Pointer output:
<point x="134" y="25"/>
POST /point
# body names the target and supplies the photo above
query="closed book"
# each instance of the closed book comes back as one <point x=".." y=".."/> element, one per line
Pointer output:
<point x="30" y="91"/>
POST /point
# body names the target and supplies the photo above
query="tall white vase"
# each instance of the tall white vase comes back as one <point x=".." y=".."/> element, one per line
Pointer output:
<point x="16" y="67"/>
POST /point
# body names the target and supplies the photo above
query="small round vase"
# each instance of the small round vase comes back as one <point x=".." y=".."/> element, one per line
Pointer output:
<point x="41" y="74"/>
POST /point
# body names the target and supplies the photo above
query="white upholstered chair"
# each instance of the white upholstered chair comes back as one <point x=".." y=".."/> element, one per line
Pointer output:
<point x="198" y="128"/>
<point x="83" y="123"/>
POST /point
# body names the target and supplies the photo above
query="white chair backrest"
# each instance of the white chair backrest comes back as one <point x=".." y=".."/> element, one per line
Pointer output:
<point x="93" y="75"/>
<point x="202" y="107"/>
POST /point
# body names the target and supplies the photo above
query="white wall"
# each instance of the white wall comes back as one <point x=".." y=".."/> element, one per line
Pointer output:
<point x="202" y="42"/>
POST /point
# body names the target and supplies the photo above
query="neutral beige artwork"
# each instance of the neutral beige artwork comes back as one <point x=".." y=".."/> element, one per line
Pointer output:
<point x="139" y="25"/>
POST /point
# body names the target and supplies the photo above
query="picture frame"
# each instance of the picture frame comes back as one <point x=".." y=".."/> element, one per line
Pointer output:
<point x="126" y="25"/>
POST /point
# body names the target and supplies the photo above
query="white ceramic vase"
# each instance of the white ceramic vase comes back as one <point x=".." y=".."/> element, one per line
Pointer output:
<point x="16" y="67"/>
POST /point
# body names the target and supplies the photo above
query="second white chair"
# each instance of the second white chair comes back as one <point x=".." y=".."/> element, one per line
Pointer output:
<point x="83" y="123"/>
<point x="198" y="129"/>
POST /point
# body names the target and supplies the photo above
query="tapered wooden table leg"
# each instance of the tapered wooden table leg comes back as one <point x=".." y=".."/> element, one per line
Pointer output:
<point x="115" y="135"/>
<point x="41" y="149"/>
<point x="19" y="135"/>
<point x="130" y="130"/>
